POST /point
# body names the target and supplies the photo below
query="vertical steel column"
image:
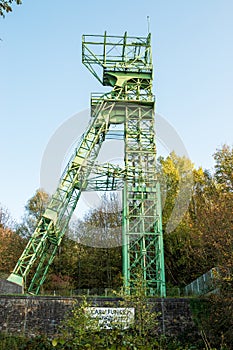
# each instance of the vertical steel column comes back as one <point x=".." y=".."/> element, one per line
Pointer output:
<point x="142" y="230"/>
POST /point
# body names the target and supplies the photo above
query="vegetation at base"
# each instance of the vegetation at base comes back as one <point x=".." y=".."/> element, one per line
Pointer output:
<point x="213" y="315"/>
<point x="40" y="343"/>
<point x="17" y="342"/>
<point x="83" y="331"/>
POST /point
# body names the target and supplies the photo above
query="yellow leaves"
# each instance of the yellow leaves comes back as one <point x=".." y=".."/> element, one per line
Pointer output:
<point x="199" y="176"/>
<point x="54" y="342"/>
<point x="10" y="248"/>
<point x="37" y="204"/>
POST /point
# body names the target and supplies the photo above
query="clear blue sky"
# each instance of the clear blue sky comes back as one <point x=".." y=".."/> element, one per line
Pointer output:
<point x="43" y="82"/>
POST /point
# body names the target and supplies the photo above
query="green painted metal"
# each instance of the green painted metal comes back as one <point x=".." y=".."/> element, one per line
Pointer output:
<point x="125" y="64"/>
<point x="142" y="211"/>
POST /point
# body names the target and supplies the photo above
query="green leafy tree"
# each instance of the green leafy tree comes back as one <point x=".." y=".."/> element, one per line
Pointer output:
<point x="224" y="167"/>
<point x="6" y="6"/>
<point x="181" y="241"/>
<point x="203" y="238"/>
<point x="211" y="209"/>
<point x="176" y="179"/>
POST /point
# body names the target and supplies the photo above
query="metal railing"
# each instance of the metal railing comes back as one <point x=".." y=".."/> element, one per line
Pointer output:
<point x="204" y="284"/>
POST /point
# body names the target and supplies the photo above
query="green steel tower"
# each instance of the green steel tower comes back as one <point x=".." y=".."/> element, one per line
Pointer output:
<point x="125" y="64"/>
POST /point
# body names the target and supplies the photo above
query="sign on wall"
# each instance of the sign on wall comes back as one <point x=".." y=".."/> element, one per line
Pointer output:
<point x="111" y="317"/>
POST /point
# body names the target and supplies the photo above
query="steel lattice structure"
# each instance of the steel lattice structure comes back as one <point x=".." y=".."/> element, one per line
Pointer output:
<point x="125" y="64"/>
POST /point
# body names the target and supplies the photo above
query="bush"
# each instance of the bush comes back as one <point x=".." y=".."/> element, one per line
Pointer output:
<point x="11" y="342"/>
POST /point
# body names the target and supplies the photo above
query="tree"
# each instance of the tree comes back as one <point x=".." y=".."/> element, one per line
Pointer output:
<point x="99" y="234"/>
<point x="64" y="274"/>
<point x="224" y="167"/>
<point x="204" y="237"/>
<point x="214" y="220"/>
<point x="176" y="178"/>
<point x="6" y="6"/>
<point x="90" y="254"/>
<point x="177" y="175"/>
<point x="34" y="209"/>
<point x="101" y="227"/>
<point x="5" y="218"/>
<point x="11" y="244"/>
<point x="212" y="209"/>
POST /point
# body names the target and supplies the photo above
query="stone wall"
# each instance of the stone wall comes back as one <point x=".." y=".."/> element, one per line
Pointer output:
<point x="7" y="287"/>
<point x="42" y="315"/>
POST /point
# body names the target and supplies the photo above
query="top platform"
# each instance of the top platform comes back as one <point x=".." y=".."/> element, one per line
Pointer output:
<point x="104" y="54"/>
